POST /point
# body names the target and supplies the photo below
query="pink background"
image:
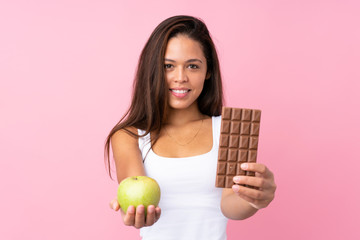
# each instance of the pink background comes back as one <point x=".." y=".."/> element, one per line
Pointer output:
<point x="66" y="70"/>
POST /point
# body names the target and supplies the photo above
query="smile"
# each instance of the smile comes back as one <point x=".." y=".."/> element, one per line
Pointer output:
<point x="180" y="91"/>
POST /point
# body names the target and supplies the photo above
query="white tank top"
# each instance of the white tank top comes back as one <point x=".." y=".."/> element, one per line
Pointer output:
<point x="190" y="202"/>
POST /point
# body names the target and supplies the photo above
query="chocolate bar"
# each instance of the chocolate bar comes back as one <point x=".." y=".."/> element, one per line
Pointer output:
<point x="238" y="143"/>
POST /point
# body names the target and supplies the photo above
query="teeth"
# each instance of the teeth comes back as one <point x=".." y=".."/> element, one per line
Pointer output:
<point x="180" y="91"/>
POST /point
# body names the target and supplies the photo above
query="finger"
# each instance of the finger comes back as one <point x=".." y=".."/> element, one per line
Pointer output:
<point x="114" y="204"/>
<point x="255" y="167"/>
<point x="249" y="192"/>
<point x="129" y="218"/>
<point x="150" y="216"/>
<point x="157" y="213"/>
<point x="252" y="181"/>
<point x="140" y="216"/>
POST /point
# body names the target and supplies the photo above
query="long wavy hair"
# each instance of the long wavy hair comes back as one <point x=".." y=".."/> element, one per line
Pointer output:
<point x="150" y="91"/>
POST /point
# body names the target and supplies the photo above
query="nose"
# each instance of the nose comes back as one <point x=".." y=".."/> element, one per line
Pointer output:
<point x="180" y="75"/>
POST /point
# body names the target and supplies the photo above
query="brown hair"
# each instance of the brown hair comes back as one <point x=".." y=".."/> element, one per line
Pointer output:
<point x="149" y="100"/>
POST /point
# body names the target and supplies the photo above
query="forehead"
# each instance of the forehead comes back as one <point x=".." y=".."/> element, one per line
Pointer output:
<point x="183" y="47"/>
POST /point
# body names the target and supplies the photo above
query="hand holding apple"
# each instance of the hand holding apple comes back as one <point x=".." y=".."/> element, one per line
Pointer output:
<point x="138" y="190"/>
<point x="134" y="215"/>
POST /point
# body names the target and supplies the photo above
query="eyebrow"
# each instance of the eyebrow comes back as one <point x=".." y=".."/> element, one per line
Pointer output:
<point x="190" y="60"/>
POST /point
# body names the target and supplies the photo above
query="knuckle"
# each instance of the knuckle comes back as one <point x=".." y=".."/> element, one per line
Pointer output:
<point x="245" y="180"/>
<point x="261" y="183"/>
<point x="251" y="166"/>
<point x="262" y="168"/>
<point x="258" y="195"/>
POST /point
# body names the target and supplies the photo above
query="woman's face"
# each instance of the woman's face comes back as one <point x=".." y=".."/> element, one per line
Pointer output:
<point x="185" y="71"/>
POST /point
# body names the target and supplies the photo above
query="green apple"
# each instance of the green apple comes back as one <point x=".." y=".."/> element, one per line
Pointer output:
<point x="138" y="190"/>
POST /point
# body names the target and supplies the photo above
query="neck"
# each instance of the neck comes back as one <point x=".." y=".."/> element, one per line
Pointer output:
<point x="183" y="116"/>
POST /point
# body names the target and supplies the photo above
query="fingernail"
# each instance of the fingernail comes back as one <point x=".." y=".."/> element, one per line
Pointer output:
<point x="151" y="209"/>
<point x="235" y="188"/>
<point x="237" y="179"/>
<point x="140" y="209"/>
<point x="114" y="205"/>
<point x="130" y="209"/>
<point x="244" y="166"/>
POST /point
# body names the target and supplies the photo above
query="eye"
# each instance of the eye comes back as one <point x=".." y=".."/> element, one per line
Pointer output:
<point x="167" y="66"/>
<point x="193" y="66"/>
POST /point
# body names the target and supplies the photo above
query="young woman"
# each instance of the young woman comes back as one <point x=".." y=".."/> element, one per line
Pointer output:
<point x="171" y="133"/>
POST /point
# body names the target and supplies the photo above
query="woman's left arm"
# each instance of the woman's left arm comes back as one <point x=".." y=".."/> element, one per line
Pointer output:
<point x="242" y="202"/>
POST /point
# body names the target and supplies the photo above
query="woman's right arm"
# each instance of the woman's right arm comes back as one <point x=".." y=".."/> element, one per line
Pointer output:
<point x="127" y="155"/>
<point x="128" y="162"/>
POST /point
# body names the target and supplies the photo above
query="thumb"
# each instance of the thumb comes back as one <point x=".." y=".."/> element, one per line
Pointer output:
<point x="114" y="204"/>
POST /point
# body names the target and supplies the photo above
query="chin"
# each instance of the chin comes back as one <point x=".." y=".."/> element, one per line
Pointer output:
<point x="182" y="106"/>
<point x="178" y="107"/>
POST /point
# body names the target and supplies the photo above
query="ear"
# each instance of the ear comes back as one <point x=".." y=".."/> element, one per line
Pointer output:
<point x="208" y="75"/>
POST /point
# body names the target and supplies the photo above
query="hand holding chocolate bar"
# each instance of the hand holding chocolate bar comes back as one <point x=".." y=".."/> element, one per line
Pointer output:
<point x="237" y="167"/>
<point x="262" y="185"/>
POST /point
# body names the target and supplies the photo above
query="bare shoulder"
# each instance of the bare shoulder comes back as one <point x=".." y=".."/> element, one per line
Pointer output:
<point x="126" y="152"/>
<point x="124" y="135"/>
